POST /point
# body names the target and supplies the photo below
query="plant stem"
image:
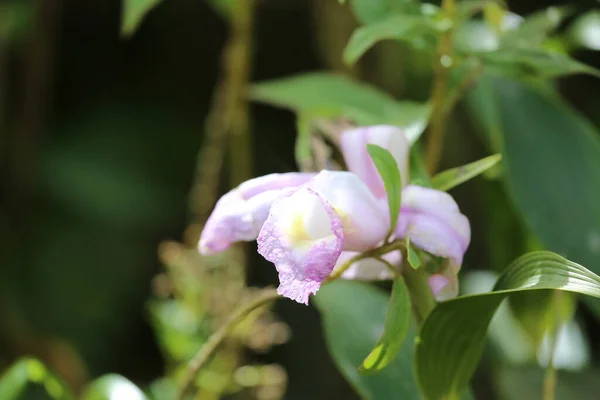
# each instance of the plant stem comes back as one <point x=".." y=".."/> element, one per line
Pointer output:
<point x="375" y="253"/>
<point x="420" y="294"/>
<point x="440" y="113"/>
<point x="550" y="374"/>
<point x="208" y="349"/>
<point x="228" y="115"/>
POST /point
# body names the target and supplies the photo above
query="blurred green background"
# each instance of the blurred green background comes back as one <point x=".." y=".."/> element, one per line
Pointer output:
<point x="98" y="143"/>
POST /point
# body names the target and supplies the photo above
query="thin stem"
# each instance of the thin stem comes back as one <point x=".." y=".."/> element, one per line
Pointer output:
<point x="439" y="114"/>
<point x="228" y="114"/>
<point x="240" y="149"/>
<point x="208" y="349"/>
<point x="550" y="374"/>
<point x="375" y="253"/>
<point x="420" y="294"/>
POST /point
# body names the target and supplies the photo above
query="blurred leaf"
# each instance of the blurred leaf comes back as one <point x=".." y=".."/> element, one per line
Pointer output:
<point x="15" y="20"/>
<point x="177" y="328"/>
<point x="223" y="7"/>
<point x="535" y="28"/>
<point x="585" y="31"/>
<point x="353" y="317"/>
<point x="418" y="172"/>
<point x="163" y="389"/>
<point x="525" y="383"/>
<point x="15" y="380"/>
<point x="494" y="15"/>
<point x="453" y="336"/>
<point x="522" y="63"/>
<point x="552" y="164"/>
<point x="113" y="387"/>
<point x="397" y="322"/>
<point x="450" y="178"/>
<point x="133" y="12"/>
<point x="341" y="96"/>
<point x="371" y="11"/>
<point x="390" y="174"/>
<point x="408" y="28"/>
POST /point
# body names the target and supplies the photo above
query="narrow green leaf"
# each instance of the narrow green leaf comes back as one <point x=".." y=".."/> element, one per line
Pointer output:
<point x="397" y="321"/>
<point x="453" y="336"/>
<point x="23" y="372"/>
<point x="450" y="178"/>
<point x="390" y="174"/>
<point x="409" y="28"/>
<point x="111" y="386"/>
<point x="413" y="258"/>
<point x="536" y="28"/>
<point x="353" y="315"/>
<point x="523" y="63"/>
<point x="341" y="96"/>
<point x="133" y="13"/>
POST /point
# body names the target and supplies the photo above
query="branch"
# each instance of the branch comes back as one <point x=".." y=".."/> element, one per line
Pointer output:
<point x="212" y="344"/>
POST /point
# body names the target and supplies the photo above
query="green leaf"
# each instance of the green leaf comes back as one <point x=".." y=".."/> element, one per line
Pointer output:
<point x="340" y="96"/>
<point x="353" y="317"/>
<point x="453" y="336"/>
<point x="15" y="380"/>
<point x="371" y="11"/>
<point x="133" y="13"/>
<point x="552" y="165"/>
<point x="111" y="386"/>
<point x="525" y="383"/>
<point x="392" y="180"/>
<point x="536" y="27"/>
<point x="409" y="28"/>
<point x="526" y="62"/>
<point x="397" y="321"/>
<point x="411" y="255"/>
<point x="450" y="178"/>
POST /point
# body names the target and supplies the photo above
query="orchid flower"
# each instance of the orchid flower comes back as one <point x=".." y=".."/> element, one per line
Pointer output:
<point x="309" y="225"/>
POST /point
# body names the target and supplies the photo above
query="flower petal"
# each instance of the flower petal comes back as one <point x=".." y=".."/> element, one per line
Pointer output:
<point x="433" y="222"/>
<point x="369" y="269"/>
<point x="366" y="219"/>
<point x="303" y="236"/>
<point x="444" y="284"/>
<point x="391" y="138"/>
<point x="307" y="229"/>
<point x="240" y="213"/>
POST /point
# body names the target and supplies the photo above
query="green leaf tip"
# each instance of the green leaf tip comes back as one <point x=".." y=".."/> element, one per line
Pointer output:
<point x="411" y="255"/>
<point x="453" y="177"/>
<point x="392" y="181"/>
